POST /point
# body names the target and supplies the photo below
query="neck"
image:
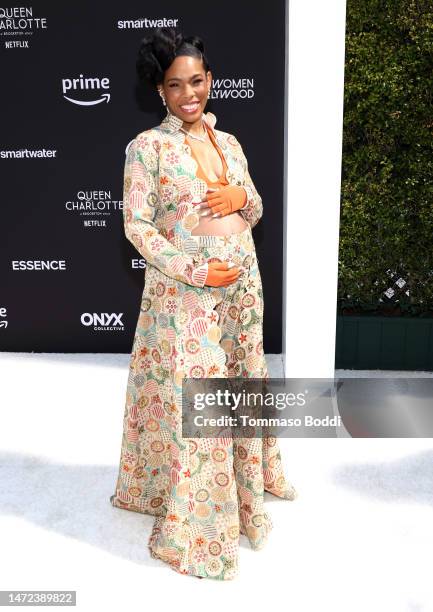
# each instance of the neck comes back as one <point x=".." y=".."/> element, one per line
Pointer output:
<point x="195" y="127"/>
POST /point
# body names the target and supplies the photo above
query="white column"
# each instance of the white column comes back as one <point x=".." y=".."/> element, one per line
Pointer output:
<point x="315" y="32"/>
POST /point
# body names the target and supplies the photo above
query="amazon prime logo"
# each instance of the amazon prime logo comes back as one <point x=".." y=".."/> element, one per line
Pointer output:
<point x="3" y="321"/>
<point x="73" y="87"/>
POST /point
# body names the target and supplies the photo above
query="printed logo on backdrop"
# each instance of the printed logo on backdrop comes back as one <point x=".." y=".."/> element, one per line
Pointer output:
<point x="3" y="320"/>
<point x="103" y="321"/>
<point x="94" y="206"/>
<point x="39" y="265"/>
<point x="138" y="264"/>
<point x="146" y="22"/>
<point x="19" y="22"/>
<point x="27" y="153"/>
<point x="240" y="88"/>
<point x="86" y="91"/>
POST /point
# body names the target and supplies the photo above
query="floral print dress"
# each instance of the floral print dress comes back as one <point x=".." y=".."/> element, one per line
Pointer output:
<point x="203" y="492"/>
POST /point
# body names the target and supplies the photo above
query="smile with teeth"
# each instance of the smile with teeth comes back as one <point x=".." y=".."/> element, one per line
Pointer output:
<point x="190" y="108"/>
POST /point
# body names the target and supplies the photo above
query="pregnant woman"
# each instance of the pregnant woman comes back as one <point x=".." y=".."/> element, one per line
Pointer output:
<point x="189" y="207"/>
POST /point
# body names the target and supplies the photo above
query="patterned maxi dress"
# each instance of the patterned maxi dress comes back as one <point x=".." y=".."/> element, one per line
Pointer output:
<point x="203" y="492"/>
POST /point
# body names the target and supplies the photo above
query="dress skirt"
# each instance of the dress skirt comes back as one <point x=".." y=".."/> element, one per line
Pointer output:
<point x="203" y="492"/>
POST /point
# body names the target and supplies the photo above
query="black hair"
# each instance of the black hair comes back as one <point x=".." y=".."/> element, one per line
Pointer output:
<point x="158" y="51"/>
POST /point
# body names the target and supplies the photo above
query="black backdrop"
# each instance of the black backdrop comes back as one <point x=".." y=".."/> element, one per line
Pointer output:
<point x="92" y="268"/>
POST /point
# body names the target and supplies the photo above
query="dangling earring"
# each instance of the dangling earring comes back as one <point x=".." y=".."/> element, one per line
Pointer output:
<point x="162" y="97"/>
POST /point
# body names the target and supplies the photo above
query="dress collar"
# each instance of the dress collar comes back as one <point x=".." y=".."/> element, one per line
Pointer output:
<point x="173" y="123"/>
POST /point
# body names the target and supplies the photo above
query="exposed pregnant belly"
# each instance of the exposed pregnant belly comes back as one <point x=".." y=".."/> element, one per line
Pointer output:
<point x="233" y="223"/>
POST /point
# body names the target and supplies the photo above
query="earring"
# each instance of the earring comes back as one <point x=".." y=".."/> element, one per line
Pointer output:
<point x="162" y="96"/>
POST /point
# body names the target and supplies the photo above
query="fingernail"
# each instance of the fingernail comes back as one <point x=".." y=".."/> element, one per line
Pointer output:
<point x="203" y="214"/>
<point x="216" y="214"/>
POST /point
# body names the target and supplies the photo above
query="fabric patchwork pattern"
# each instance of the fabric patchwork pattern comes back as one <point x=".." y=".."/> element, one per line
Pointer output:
<point x="203" y="492"/>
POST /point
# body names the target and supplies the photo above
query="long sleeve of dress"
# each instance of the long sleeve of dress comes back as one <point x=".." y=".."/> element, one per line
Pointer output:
<point x="252" y="211"/>
<point x="140" y="197"/>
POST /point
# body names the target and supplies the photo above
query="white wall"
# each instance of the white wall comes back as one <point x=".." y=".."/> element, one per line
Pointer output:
<point x="315" y="33"/>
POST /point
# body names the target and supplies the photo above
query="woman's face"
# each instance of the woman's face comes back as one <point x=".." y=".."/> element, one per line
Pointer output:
<point x="186" y="87"/>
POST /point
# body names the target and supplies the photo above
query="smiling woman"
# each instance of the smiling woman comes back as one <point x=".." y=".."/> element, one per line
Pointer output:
<point x="185" y="90"/>
<point x="201" y="317"/>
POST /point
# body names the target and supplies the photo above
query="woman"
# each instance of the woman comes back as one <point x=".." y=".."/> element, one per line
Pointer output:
<point x="189" y="206"/>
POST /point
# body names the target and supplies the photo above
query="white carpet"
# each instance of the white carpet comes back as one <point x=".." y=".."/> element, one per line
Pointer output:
<point x="358" y="537"/>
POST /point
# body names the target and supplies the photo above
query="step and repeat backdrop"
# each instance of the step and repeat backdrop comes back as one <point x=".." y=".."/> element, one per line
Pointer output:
<point x="70" y="281"/>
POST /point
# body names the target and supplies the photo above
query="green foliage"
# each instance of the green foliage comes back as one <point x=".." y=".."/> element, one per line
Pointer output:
<point x="386" y="219"/>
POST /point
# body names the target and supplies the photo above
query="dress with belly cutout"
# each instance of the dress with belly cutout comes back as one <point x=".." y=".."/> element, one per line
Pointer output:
<point x="203" y="492"/>
<point x="230" y="224"/>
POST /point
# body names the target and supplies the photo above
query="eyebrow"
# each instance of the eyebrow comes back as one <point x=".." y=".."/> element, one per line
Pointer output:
<point x="178" y="79"/>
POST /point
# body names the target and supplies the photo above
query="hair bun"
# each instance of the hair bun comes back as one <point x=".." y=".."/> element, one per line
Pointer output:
<point x="158" y="50"/>
<point x="196" y="41"/>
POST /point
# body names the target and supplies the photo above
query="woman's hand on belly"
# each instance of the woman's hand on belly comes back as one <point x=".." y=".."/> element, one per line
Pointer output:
<point x="220" y="275"/>
<point x="223" y="201"/>
<point x="231" y="223"/>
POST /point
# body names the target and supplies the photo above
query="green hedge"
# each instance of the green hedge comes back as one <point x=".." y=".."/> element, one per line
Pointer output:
<point x="386" y="219"/>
